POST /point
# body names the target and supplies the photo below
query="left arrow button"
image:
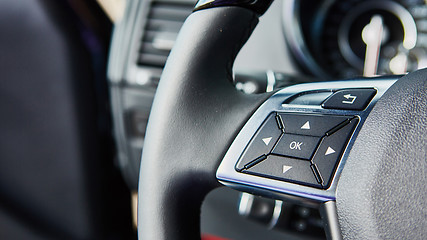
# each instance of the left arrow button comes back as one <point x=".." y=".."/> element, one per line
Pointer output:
<point x="262" y="143"/>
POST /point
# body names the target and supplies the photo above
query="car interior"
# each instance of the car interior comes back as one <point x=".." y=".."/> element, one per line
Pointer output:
<point x="213" y="119"/>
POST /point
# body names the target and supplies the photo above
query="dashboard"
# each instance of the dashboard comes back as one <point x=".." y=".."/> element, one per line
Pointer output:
<point x="295" y="42"/>
<point x="328" y="38"/>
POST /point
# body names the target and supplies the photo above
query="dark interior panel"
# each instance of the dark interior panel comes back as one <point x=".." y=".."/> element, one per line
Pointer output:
<point x="57" y="178"/>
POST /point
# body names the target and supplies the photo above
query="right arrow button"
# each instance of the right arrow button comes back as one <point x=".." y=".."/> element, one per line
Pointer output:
<point x="330" y="151"/>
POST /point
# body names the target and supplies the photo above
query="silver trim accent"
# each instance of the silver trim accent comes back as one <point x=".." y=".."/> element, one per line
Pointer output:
<point x="329" y="214"/>
<point x="245" y="204"/>
<point x="277" y="211"/>
<point x="271" y="81"/>
<point x="227" y="174"/>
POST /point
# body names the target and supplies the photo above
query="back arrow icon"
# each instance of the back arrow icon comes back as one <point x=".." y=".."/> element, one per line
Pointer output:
<point x="348" y="97"/>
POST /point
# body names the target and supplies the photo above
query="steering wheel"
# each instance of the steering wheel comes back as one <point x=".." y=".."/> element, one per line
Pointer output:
<point x="200" y="127"/>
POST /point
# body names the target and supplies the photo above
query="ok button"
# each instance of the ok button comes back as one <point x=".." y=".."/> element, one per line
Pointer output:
<point x="297" y="146"/>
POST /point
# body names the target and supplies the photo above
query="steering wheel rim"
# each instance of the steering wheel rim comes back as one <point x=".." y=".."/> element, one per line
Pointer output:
<point x="198" y="111"/>
<point x="387" y="166"/>
<point x="191" y="107"/>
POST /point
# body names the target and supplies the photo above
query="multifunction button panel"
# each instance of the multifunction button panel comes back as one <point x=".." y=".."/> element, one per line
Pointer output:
<point x="299" y="148"/>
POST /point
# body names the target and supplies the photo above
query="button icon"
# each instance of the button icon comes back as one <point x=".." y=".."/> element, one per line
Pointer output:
<point x="267" y="140"/>
<point x="286" y="168"/>
<point x="346" y="99"/>
<point x="306" y="125"/>
<point x="350" y="99"/>
<point x="295" y="145"/>
<point x="329" y="151"/>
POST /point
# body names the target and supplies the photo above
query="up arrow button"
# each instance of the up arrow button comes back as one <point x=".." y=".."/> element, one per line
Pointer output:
<point x="286" y="168"/>
<point x="306" y="125"/>
<point x="315" y="125"/>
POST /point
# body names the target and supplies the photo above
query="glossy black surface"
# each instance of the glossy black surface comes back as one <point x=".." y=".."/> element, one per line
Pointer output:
<point x="258" y="6"/>
<point x="314" y="99"/>
<point x="350" y="99"/>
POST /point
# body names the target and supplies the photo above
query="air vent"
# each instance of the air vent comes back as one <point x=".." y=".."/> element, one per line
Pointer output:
<point x="163" y="24"/>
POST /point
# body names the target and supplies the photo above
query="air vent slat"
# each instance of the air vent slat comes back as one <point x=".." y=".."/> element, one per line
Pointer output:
<point x="163" y="25"/>
<point x="164" y="21"/>
<point x="147" y="47"/>
<point x="149" y="36"/>
<point x="153" y="60"/>
<point x="170" y="13"/>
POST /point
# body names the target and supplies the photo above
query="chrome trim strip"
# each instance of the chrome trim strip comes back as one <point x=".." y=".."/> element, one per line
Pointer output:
<point x="276" y="214"/>
<point x="271" y="81"/>
<point x="245" y="204"/>
<point x="328" y="211"/>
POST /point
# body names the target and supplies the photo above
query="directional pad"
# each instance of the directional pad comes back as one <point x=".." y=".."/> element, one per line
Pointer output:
<point x="299" y="148"/>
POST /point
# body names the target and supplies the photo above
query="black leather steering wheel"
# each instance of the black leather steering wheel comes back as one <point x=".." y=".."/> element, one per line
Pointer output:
<point x="197" y="114"/>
